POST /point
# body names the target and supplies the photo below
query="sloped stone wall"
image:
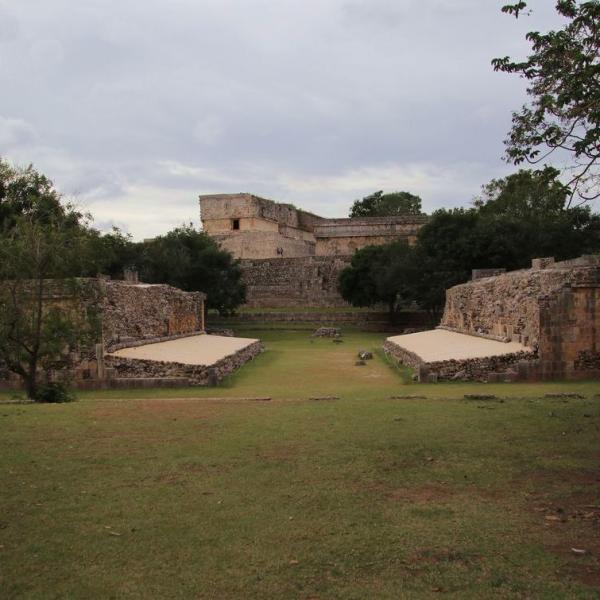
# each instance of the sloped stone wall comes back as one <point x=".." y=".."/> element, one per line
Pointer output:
<point x="132" y="312"/>
<point x="503" y="307"/>
<point x="554" y="308"/>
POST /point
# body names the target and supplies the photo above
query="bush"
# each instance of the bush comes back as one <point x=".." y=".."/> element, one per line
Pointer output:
<point x="54" y="392"/>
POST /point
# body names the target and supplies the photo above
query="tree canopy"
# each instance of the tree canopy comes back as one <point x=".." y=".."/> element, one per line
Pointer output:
<point x="191" y="260"/>
<point x="381" y="275"/>
<point x="43" y="238"/>
<point x="393" y="204"/>
<point x="515" y="219"/>
<point x="35" y="330"/>
<point x="563" y="113"/>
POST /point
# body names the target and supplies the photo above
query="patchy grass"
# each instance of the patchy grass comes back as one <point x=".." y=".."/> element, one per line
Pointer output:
<point x="364" y="497"/>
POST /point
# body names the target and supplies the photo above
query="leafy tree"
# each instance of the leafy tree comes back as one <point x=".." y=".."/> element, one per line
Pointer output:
<point x="380" y="275"/>
<point x="563" y="72"/>
<point x="387" y="205"/>
<point x="525" y="194"/>
<point x="36" y="330"/>
<point x="111" y="253"/>
<point x="28" y="193"/>
<point x="191" y="260"/>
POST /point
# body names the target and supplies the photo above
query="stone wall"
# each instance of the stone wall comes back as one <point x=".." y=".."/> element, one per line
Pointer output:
<point x="264" y="244"/>
<point x="253" y="227"/>
<point x="195" y="374"/>
<point x="570" y="329"/>
<point x="502" y="307"/>
<point x="281" y="282"/>
<point x="345" y="236"/>
<point x="554" y="308"/>
<point x="116" y="314"/>
<point x="505" y="366"/>
<point x="132" y="312"/>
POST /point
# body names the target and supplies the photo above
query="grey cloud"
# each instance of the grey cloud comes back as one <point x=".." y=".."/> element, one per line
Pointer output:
<point x="121" y="101"/>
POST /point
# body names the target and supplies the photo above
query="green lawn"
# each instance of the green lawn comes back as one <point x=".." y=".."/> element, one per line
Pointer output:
<point x="134" y="495"/>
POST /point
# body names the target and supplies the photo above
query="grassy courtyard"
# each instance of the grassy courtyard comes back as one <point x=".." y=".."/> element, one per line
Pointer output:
<point x="207" y="494"/>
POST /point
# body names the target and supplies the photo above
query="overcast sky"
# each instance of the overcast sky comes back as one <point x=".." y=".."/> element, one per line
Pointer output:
<point x="134" y="107"/>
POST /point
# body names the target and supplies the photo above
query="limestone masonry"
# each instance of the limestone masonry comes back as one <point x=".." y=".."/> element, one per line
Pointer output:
<point x="253" y="227"/>
<point x="291" y="257"/>
<point x="127" y="314"/>
<point x="552" y="309"/>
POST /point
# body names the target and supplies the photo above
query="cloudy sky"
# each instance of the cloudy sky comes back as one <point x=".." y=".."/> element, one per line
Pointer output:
<point x="134" y="107"/>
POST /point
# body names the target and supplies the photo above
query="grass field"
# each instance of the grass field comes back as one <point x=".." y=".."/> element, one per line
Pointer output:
<point x="205" y="494"/>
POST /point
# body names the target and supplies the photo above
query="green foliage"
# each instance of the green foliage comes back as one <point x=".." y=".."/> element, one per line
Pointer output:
<point x="525" y="194"/>
<point x="25" y="193"/>
<point x="386" y="205"/>
<point x="515" y="219"/>
<point x="191" y="260"/>
<point x="54" y="392"/>
<point x="380" y="275"/>
<point x="40" y="240"/>
<point x="563" y="115"/>
<point x="111" y="253"/>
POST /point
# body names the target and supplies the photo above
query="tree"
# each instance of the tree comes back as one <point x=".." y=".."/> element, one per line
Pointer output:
<point x="36" y="330"/>
<point x="525" y="194"/>
<point x="563" y="115"/>
<point x="380" y="275"/>
<point x="111" y="253"/>
<point x="28" y="193"/>
<point x="191" y="260"/>
<point x="395" y="204"/>
<point x="40" y="239"/>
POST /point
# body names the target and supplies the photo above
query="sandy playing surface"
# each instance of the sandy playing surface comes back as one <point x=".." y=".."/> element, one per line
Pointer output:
<point x="194" y="350"/>
<point x="439" y="344"/>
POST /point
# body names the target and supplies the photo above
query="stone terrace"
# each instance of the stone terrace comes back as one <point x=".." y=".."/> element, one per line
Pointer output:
<point x="440" y="354"/>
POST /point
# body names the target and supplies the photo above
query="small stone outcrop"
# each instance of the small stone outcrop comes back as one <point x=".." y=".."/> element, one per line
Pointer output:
<point x="332" y="332"/>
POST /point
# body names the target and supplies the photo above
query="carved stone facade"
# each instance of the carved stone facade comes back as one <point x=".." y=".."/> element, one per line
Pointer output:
<point x="253" y="228"/>
<point x="291" y="257"/>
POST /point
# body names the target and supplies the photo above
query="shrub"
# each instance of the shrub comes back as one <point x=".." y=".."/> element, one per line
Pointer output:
<point x="54" y="392"/>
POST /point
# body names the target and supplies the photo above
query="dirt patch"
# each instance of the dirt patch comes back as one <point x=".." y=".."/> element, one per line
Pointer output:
<point x="420" y="494"/>
<point x="566" y="516"/>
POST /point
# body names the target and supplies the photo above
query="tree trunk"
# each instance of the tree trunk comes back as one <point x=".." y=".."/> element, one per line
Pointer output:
<point x="392" y="310"/>
<point x="31" y="382"/>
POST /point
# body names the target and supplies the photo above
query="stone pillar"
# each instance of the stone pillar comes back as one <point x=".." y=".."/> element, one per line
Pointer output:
<point x="100" y="361"/>
<point x="538" y="264"/>
<point x="131" y="275"/>
<point x="202" y="325"/>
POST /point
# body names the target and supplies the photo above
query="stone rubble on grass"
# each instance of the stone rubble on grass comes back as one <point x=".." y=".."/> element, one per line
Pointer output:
<point x="333" y="332"/>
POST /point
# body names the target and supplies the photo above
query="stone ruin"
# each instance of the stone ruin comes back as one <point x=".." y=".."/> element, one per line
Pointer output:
<point x="128" y="314"/>
<point x="552" y="310"/>
<point x="291" y="257"/>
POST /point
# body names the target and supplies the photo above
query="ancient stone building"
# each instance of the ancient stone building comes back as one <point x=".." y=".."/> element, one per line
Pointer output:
<point x="552" y="311"/>
<point x="291" y="257"/>
<point x="253" y="227"/>
<point x="118" y="314"/>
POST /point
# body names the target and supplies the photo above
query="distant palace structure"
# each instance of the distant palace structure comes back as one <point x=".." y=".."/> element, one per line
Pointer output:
<point x="252" y="227"/>
<point x="291" y="257"/>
